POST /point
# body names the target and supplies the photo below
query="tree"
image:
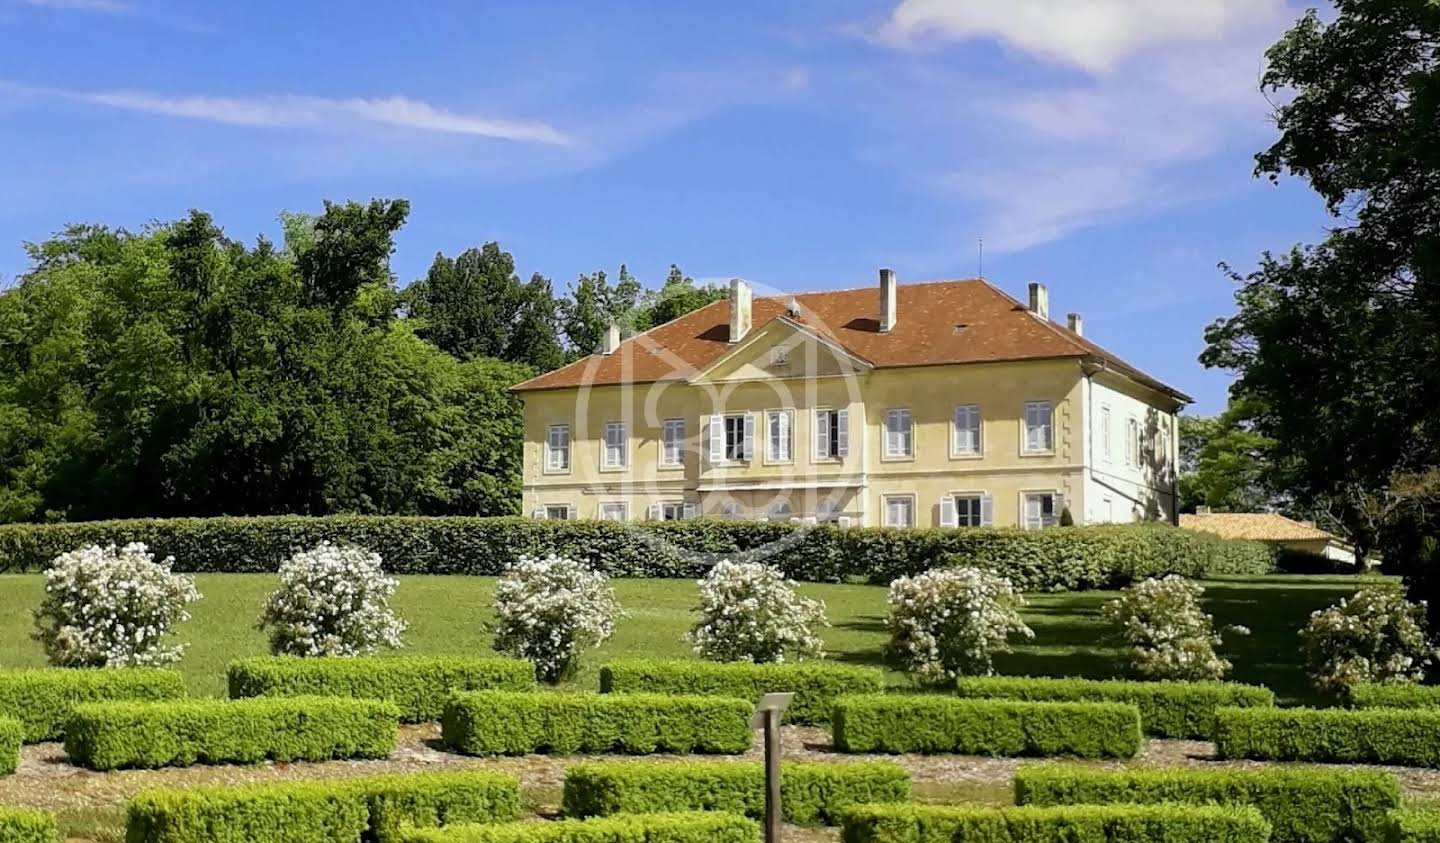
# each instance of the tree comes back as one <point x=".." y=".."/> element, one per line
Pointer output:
<point x="1224" y="463"/>
<point x="470" y="306"/>
<point x="677" y="297"/>
<point x="593" y="304"/>
<point x="535" y="340"/>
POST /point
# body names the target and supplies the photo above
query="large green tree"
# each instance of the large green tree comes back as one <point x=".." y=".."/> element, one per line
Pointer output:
<point x="1224" y="463"/>
<point x="678" y="296"/>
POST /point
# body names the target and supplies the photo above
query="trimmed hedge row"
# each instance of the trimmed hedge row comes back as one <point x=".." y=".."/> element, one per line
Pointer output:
<point x="933" y="723"/>
<point x="1072" y="558"/>
<point x="42" y="699"/>
<point x="12" y="735"/>
<point x="1072" y="824"/>
<point x="22" y="825"/>
<point x="372" y="808"/>
<point x="1408" y="737"/>
<point x="695" y="827"/>
<point x="1302" y="805"/>
<point x="811" y="793"/>
<point x="1167" y="709"/>
<point x="520" y="723"/>
<point x="115" y="735"/>
<point x="816" y="685"/>
<point x="1414" y="826"/>
<point x="419" y="686"/>
<point x="1395" y="696"/>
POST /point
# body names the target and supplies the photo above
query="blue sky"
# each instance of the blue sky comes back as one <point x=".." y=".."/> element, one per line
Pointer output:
<point x="1103" y="147"/>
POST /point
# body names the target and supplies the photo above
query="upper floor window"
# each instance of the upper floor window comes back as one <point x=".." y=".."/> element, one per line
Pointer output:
<point x="778" y="436"/>
<point x="899" y="434"/>
<point x="899" y="510"/>
<point x="1132" y="442"/>
<point x="672" y="443"/>
<point x="1042" y="509"/>
<point x="1039" y="427"/>
<point x="557" y="448"/>
<point x="965" y="436"/>
<point x="1105" y="433"/>
<point x="732" y="438"/>
<point x="616" y="445"/>
<point x="832" y="434"/>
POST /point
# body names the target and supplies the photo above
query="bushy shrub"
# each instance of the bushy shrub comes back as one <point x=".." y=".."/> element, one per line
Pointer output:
<point x="1414" y="825"/>
<point x="12" y="735"/>
<point x="112" y="607"/>
<point x="1167" y="634"/>
<point x="333" y="600"/>
<point x="1167" y="709"/>
<point x="1307" y="805"/>
<point x="550" y="609"/>
<point x="418" y="685"/>
<point x="893" y="723"/>
<point x="698" y="827"/>
<point x="1377" y="636"/>
<point x="949" y="623"/>
<point x="42" y="699"/>
<point x="1071" y="823"/>
<point x="520" y="723"/>
<point x="1405" y="737"/>
<point x="810" y="793"/>
<point x="1394" y="696"/>
<point x="23" y="825"/>
<point x="750" y="612"/>
<point x="114" y="735"/>
<point x="816" y="685"/>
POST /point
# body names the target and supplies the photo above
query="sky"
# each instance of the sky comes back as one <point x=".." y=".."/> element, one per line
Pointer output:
<point x="1102" y="147"/>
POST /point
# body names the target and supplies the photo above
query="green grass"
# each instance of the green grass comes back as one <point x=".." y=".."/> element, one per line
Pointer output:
<point x="447" y="616"/>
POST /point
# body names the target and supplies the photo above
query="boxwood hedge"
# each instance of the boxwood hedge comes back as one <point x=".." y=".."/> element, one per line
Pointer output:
<point x="1073" y="558"/>
<point x="811" y="793"/>
<point x="1071" y="823"/>
<point x="1167" y="709"/>
<point x="936" y="723"/>
<point x="816" y="685"/>
<point x="114" y="735"/>
<point x="42" y="699"/>
<point x="1407" y="737"/>
<point x="23" y="825"/>
<point x="697" y="827"/>
<point x="1306" y="805"/>
<point x="12" y="735"/>
<point x="520" y="723"/>
<point x="372" y="808"/>
<point x="1395" y="696"/>
<point x="1414" y="826"/>
<point x="419" y="686"/>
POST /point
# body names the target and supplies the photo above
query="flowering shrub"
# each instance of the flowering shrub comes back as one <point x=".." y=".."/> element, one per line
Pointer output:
<point x="1169" y="636"/>
<point x="1377" y="636"/>
<point x="112" y="607"/>
<point x="951" y="621"/>
<point x="332" y="601"/>
<point x="549" y="609"/>
<point x="750" y="612"/>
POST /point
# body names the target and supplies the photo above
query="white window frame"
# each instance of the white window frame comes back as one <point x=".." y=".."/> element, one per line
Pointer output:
<point x="732" y="509"/>
<point x="885" y="510"/>
<point x="551" y="449"/>
<point x="623" y="513"/>
<point x="786" y="420"/>
<point x="974" y="509"/>
<point x="720" y="446"/>
<point x="1132" y="442"/>
<point x="780" y="510"/>
<point x="568" y="509"/>
<point x="899" y="443"/>
<point x="1025" y="427"/>
<point x="1106" y="446"/>
<point x="975" y="423"/>
<point x="675" y="510"/>
<point x="622" y="445"/>
<point x="672" y="443"/>
<point x="1057" y="506"/>
<point x="826" y="420"/>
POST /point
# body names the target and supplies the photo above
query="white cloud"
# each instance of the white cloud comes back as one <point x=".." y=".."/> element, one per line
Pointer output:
<point x="113" y="7"/>
<point x="1090" y="34"/>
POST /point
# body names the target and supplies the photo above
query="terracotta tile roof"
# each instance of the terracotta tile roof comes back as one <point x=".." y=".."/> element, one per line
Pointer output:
<point x="940" y="322"/>
<point x="1255" y="526"/>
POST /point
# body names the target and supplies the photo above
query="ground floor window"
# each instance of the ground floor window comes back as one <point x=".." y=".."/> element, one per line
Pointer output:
<point x="968" y="511"/>
<point x="899" y="510"/>
<point x="614" y="511"/>
<point x="1042" y="509"/>
<point x="557" y="512"/>
<point x="672" y="511"/>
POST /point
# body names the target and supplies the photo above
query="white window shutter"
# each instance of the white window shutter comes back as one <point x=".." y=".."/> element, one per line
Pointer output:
<point x="843" y="422"/>
<point x="653" y="513"/>
<point x="948" y="515"/>
<point x="987" y="511"/>
<point x="717" y="439"/>
<point x="1059" y="505"/>
<point x="689" y="510"/>
<point x="539" y="513"/>
<point x="749" y="436"/>
<point x="822" y="435"/>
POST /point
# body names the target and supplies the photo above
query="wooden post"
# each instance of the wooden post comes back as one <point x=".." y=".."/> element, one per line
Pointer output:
<point x="772" y="776"/>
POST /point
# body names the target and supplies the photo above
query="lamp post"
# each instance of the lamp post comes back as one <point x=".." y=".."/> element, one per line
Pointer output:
<point x="767" y="717"/>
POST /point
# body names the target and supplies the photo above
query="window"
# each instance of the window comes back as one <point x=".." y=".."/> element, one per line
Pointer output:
<point x="557" y="512"/>
<point x="899" y="436"/>
<point x="1042" y="509"/>
<point x="899" y="510"/>
<point x="616" y="445"/>
<point x="672" y="443"/>
<point x="614" y="511"/>
<point x="778" y="510"/>
<point x="674" y="511"/>
<point x="832" y="434"/>
<point x="971" y="509"/>
<point x="1105" y="433"/>
<point x="557" y="449"/>
<point x="732" y="438"/>
<point x="1039" y="427"/>
<point x="965" y="439"/>
<point x="967" y="511"/>
<point x="1132" y="442"/>
<point x="732" y="509"/>
<point x="778" y="436"/>
<point x="827" y="510"/>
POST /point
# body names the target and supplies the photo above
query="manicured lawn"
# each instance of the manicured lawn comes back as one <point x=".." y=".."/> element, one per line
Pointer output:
<point x="447" y="617"/>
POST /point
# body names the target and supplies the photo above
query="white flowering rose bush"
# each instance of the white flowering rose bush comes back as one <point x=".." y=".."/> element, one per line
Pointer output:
<point x="952" y="621"/>
<point x="1166" y="632"/>
<point x="549" y="610"/>
<point x="750" y="612"/>
<point x="112" y="607"/>
<point x="1377" y="636"/>
<point x="333" y="600"/>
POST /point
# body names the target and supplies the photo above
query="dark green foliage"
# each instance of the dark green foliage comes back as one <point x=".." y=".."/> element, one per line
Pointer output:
<point x="816" y="685"/>
<point x="1406" y="737"/>
<point x="811" y="793"/>
<point x="1395" y="696"/>
<point x="12" y="735"/>
<point x="699" y="827"/>
<point x="369" y="808"/>
<point x="42" y="699"/>
<point x="22" y="825"/>
<point x="1304" y="805"/>
<point x="418" y="685"/>
<point x="1035" y="560"/>
<point x="1072" y="824"/>
<point x="1414" y="826"/>
<point x="1167" y="709"/>
<point x="519" y="723"/>
<point x="109" y="736"/>
<point x="933" y="723"/>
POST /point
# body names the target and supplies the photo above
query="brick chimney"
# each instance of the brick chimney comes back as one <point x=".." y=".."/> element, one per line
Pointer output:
<point x="739" y="309"/>
<point x="888" y="313"/>
<point x="1039" y="300"/>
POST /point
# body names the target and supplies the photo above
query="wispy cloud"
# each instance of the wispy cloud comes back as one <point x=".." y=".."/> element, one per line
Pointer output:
<point x="109" y="7"/>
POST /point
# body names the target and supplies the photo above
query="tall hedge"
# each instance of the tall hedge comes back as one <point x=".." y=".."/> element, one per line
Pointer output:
<point x="1306" y="805"/>
<point x="1414" y="826"/>
<point x="697" y="827"/>
<point x="43" y="699"/>
<point x="1072" y="558"/>
<point x="12" y="735"/>
<point x="816" y="685"/>
<point x="1071" y="823"/>
<point x="23" y="825"/>
<point x="418" y="685"/>
<point x="1403" y="736"/>
<point x="1395" y="696"/>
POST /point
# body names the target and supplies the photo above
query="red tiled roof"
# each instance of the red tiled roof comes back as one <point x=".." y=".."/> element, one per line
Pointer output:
<point x="996" y="327"/>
